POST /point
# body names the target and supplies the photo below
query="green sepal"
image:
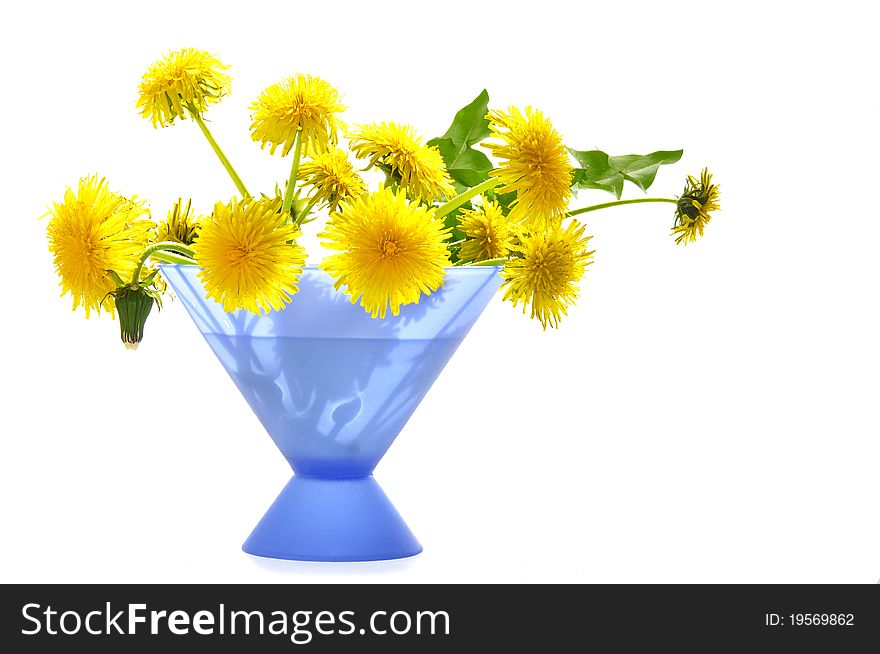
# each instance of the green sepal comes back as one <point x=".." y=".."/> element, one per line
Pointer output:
<point x="133" y="306"/>
<point x="146" y="281"/>
<point x="117" y="280"/>
<point x="134" y="301"/>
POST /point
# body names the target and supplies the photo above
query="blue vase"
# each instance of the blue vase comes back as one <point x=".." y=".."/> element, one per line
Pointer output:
<point x="334" y="387"/>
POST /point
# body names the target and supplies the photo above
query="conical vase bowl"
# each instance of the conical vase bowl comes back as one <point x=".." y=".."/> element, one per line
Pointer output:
<point x="333" y="388"/>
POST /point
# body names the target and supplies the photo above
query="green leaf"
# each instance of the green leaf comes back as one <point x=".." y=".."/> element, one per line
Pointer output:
<point x="596" y="172"/>
<point x="466" y="165"/>
<point x="470" y="126"/>
<point x="642" y="169"/>
<point x="600" y="171"/>
<point x="503" y="199"/>
<point x="452" y="220"/>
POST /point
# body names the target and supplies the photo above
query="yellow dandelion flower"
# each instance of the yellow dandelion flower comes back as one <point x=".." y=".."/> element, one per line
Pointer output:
<point x="546" y="273"/>
<point x="391" y="251"/>
<point x="249" y="256"/>
<point x="186" y="79"/>
<point x="536" y="166"/>
<point x="332" y="178"/>
<point x="692" y="212"/>
<point x="303" y="104"/>
<point x="399" y="151"/>
<point x="490" y="234"/>
<point x="93" y="231"/>
<point x="181" y="226"/>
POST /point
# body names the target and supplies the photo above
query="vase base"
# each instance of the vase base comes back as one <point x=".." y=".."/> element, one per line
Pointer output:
<point x="332" y="520"/>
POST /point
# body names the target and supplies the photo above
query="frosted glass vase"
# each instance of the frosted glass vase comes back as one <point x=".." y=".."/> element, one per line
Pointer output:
<point x="333" y="388"/>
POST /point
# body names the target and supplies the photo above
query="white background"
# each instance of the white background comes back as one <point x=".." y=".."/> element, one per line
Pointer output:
<point x="705" y="414"/>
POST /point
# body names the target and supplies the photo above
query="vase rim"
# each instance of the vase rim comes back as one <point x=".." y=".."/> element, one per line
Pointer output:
<point x="315" y="266"/>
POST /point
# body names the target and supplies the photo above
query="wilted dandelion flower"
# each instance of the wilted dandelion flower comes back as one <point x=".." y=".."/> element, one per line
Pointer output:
<point x="389" y="251"/>
<point x="546" y="272"/>
<point x="536" y="165"/>
<point x="93" y="231"/>
<point x="184" y="79"/>
<point x="490" y="234"/>
<point x="300" y="104"/>
<point x="249" y="256"/>
<point x="332" y="178"/>
<point x="401" y="153"/>
<point x="692" y="212"/>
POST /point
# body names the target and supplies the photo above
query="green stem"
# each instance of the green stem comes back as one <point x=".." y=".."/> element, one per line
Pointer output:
<point x="618" y="203"/>
<point x="294" y="168"/>
<point x="226" y="164"/>
<point x="459" y="200"/>
<point x="170" y="257"/>
<point x="150" y="250"/>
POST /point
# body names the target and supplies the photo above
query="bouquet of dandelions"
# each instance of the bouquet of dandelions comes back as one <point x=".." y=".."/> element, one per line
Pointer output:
<point x="442" y="203"/>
